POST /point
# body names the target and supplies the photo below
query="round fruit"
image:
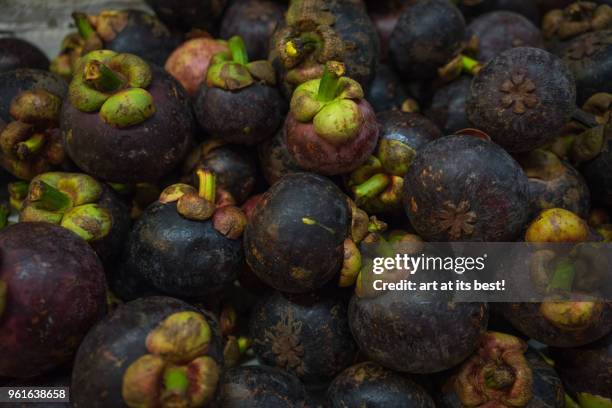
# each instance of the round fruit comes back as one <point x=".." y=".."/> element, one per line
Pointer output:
<point x="16" y="53"/>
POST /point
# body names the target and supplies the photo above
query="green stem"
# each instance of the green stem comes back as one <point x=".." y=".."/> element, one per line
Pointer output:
<point x="570" y="403"/>
<point x="372" y="187"/>
<point x="31" y="146"/>
<point x="328" y="86"/>
<point x="82" y="24"/>
<point x="563" y="276"/>
<point x="175" y="380"/>
<point x="470" y="65"/>
<point x="207" y="184"/>
<point x="238" y="50"/>
<point x="49" y="197"/>
<point x="102" y="78"/>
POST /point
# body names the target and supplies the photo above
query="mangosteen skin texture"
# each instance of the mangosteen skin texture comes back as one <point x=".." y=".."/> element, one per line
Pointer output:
<point x="462" y="188"/>
<point x="16" y="53"/>
<point x="413" y="336"/>
<point x="254" y="21"/>
<point x="369" y="384"/>
<point x="588" y="58"/>
<point x="247" y="116"/>
<point x="527" y="318"/>
<point x="499" y="31"/>
<point x="307" y="335"/>
<point x="187" y="14"/>
<point x="261" y="386"/>
<point x="110" y="247"/>
<point x="386" y="91"/>
<point x="56" y="292"/>
<point x="426" y="37"/>
<point x="181" y="257"/>
<point x="12" y="83"/>
<point x="448" y="106"/>
<point x="412" y="129"/>
<point x="294" y="238"/>
<point x="144" y="152"/>
<point x="586" y="368"/>
<point x="598" y="175"/>
<point x="117" y="341"/>
<point x="275" y="159"/>
<point x="522" y="98"/>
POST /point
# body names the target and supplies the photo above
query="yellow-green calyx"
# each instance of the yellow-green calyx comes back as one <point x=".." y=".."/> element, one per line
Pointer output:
<point x="331" y="104"/>
<point x="69" y="200"/>
<point x="115" y="85"/>
<point x="176" y="372"/>
<point x="233" y="71"/>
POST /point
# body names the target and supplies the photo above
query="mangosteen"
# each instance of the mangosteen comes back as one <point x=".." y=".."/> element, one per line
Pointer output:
<point x="16" y="53"/>
<point x="522" y="98"/>
<point x="255" y="21"/>
<point x="154" y="351"/>
<point x="575" y="19"/>
<point x="123" y="31"/>
<point x="588" y="58"/>
<point x="260" y="386"/>
<point x="52" y="290"/>
<point x="462" y="188"/>
<point x="185" y="15"/>
<point x="377" y="184"/>
<point x="184" y="246"/>
<point x="502" y="372"/>
<point x="585" y="371"/>
<point x="125" y="121"/>
<point x="30" y="142"/>
<point x="527" y="8"/>
<point x="369" y="384"/>
<point x="189" y="62"/>
<point x="330" y="128"/>
<point x="307" y="335"/>
<point x="554" y="183"/>
<point x="294" y="240"/>
<point x="275" y="159"/>
<point x="239" y="102"/>
<point x="78" y="202"/>
<point x="448" y="105"/>
<point x="384" y="15"/>
<point x="499" y="31"/>
<point x="428" y="40"/>
<point x="417" y="334"/>
<point x="234" y="168"/>
<point x="386" y="91"/>
<point x="318" y="31"/>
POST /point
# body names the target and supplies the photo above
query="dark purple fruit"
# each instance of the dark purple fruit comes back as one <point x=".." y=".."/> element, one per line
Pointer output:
<point x="585" y="371"/>
<point x="238" y="102"/>
<point x="598" y="174"/>
<point x="384" y="15"/>
<point x="502" y="372"/>
<point x="589" y="58"/>
<point x="426" y="37"/>
<point x="188" y="14"/>
<point x="52" y="290"/>
<point x="499" y="31"/>
<point x="386" y="91"/>
<point x="134" y="131"/>
<point x="307" y="335"/>
<point x="448" y="106"/>
<point x="462" y="188"/>
<point x="527" y="8"/>
<point x="16" y="53"/>
<point x="368" y="384"/>
<point x="154" y="351"/>
<point x="522" y="98"/>
<point x="430" y="335"/>
<point x="554" y="183"/>
<point x="254" y="21"/>
<point x="274" y="158"/>
<point x="377" y="184"/>
<point x="294" y="239"/>
<point x="265" y="387"/>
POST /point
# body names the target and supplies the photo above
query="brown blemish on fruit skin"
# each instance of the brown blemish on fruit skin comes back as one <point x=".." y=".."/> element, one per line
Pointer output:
<point x="370" y="381"/>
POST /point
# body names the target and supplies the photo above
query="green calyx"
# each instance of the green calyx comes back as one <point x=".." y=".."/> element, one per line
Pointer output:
<point x="196" y="206"/>
<point x="563" y="276"/>
<point x="331" y="103"/>
<point x="232" y="70"/>
<point x="69" y="200"/>
<point x="113" y="84"/>
<point x="18" y="191"/>
<point x="587" y="400"/>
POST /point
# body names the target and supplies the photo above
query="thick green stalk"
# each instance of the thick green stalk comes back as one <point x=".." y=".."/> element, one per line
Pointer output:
<point x="82" y="24"/>
<point x="102" y="78"/>
<point x="238" y="50"/>
<point x="207" y="184"/>
<point x="48" y="197"/>
<point x="328" y="87"/>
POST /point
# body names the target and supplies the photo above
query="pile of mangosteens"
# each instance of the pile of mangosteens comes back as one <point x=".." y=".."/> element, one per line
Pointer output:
<point x="193" y="195"/>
